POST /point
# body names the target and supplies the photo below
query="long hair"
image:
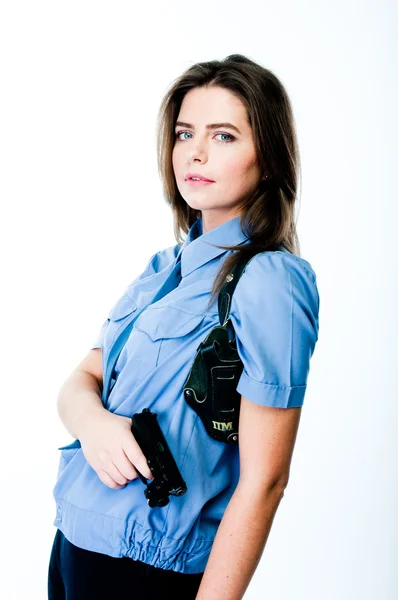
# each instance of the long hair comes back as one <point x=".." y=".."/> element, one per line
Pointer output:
<point x="267" y="217"/>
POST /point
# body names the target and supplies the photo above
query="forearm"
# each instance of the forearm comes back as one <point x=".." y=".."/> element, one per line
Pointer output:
<point x="239" y="544"/>
<point x="79" y="396"/>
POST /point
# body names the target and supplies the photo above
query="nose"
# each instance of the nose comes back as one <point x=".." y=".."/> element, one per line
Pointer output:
<point x="197" y="155"/>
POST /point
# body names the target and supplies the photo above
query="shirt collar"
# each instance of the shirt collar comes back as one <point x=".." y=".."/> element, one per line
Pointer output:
<point x="196" y="249"/>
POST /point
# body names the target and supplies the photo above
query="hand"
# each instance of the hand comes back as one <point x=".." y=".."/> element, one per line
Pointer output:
<point x="110" y="448"/>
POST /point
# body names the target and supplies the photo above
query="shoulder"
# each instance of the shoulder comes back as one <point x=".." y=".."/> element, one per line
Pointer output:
<point x="282" y="263"/>
<point x="162" y="258"/>
<point x="276" y="277"/>
<point x="267" y="268"/>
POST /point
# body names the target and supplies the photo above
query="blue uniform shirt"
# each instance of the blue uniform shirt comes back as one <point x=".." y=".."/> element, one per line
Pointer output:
<point x="274" y="312"/>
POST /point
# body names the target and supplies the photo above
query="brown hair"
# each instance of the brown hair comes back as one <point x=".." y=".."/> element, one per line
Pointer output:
<point x="267" y="218"/>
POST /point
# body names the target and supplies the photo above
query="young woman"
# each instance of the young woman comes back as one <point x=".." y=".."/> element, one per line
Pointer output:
<point x="229" y="124"/>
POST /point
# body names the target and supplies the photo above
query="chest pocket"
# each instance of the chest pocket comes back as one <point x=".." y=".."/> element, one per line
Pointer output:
<point x="172" y="330"/>
<point x="118" y="314"/>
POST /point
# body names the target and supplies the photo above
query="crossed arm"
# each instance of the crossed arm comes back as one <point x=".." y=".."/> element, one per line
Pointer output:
<point x="266" y="441"/>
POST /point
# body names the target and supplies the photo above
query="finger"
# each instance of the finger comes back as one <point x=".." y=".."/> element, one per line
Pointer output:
<point x="114" y="472"/>
<point x="107" y="480"/>
<point x="125" y="466"/>
<point x="137" y="457"/>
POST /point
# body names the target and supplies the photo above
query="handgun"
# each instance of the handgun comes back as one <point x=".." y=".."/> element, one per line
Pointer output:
<point x="167" y="477"/>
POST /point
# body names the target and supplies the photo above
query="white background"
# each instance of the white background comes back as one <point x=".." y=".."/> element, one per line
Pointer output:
<point x="82" y="212"/>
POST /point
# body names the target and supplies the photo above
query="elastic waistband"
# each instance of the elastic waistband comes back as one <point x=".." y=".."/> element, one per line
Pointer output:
<point x="118" y="538"/>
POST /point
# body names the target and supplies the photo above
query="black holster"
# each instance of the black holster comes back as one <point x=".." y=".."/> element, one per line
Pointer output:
<point x="210" y="388"/>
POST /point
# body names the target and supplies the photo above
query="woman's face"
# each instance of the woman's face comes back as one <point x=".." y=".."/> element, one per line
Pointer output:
<point x="225" y="155"/>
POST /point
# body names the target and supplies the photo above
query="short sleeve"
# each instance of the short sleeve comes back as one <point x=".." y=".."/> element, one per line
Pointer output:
<point x="150" y="269"/>
<point x="275" y="315"/>
<point x="100" y="337"/>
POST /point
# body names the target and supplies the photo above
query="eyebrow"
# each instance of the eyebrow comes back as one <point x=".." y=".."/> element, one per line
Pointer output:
<point x="209" y="126"/>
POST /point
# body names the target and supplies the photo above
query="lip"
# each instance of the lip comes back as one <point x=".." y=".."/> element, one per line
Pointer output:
<point x="201" y="177"/>
<point x="200" y="183"/>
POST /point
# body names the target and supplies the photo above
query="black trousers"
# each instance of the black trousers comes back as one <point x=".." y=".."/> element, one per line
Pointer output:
<point x="77" y="574"/>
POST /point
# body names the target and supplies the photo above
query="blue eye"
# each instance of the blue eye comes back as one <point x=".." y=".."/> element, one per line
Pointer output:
<point x="219" y="133"/>
<point x="180" y="132"/>
<point x="227" y="134"/>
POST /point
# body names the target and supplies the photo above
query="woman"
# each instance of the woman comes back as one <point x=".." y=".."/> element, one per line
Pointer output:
<point x="230" y="124"/>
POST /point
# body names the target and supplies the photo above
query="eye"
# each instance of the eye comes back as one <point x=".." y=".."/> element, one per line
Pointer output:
<point x="178" y="133"/>
<point x="228" y="135"/>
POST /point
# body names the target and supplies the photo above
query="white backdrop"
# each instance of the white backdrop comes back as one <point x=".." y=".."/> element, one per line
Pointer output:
<point x="82" y="212"/>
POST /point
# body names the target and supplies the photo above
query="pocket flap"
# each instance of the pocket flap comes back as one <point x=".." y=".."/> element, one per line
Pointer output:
<point x="167" y="322"/>
<point x="123" y="307"/>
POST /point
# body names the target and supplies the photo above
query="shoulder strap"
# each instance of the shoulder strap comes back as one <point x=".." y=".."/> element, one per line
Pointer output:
<point x="227" y="290"/>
